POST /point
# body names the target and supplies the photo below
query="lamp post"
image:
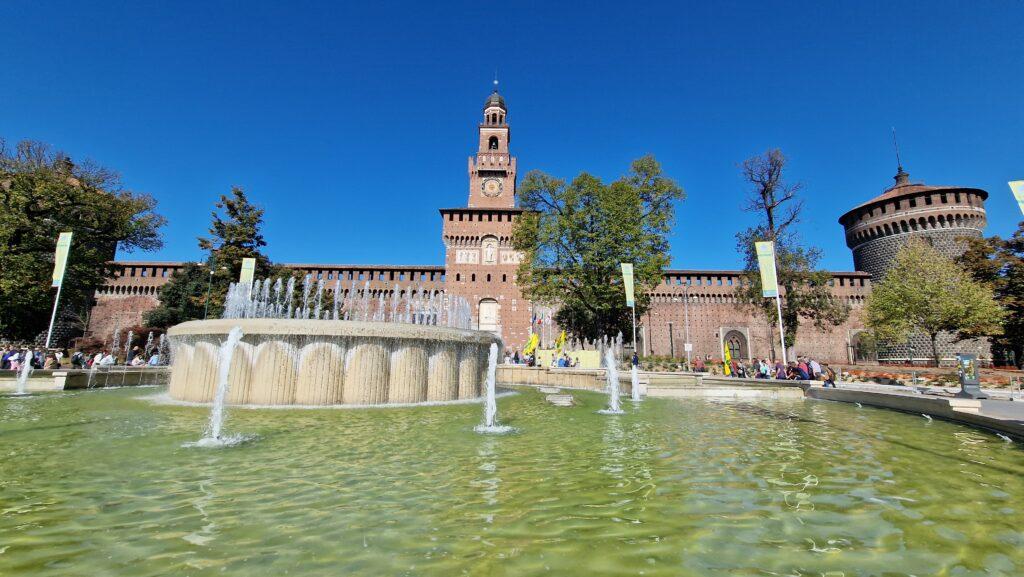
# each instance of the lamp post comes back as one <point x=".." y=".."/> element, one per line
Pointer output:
<point x="686" y="327"/>
<point x="209" y="284"/>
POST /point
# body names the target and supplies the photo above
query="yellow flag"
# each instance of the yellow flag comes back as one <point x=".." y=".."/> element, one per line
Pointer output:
<point x="727" y="364"/>
<point x="532" y="344"/>
<point x="560" y="341"/>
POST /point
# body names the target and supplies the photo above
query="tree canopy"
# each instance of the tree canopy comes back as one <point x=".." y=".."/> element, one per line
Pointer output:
<point x="235" y="233"/>
<point x="804" y="288"/>
<point x="44" y="193"/>
<point x="926" y="292"/>
<point x="1000" y="264"/>
<point x="574" y="235"/>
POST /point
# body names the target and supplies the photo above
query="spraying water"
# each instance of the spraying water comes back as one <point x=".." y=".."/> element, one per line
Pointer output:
<point x="635" y="382"/>
<point x="411" y="305"/>
<point x="23" y="375"/>
<point x="490" y="424"/>
<point x="214" y="430"/>
<point x="612" y="371"/>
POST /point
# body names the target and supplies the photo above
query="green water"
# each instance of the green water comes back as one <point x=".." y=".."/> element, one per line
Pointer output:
<point x="97" y="483"/>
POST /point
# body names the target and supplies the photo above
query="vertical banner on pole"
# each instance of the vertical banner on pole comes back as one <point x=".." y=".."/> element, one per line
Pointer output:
<point x="1017" y="186"/>
<point x="766" y="262"/>
<point x="770" y="283"/>
<point x="627" y="282"/>
<point x="60" y="262"/>
<point x="248" y="270"/>
<point x="60" y="258"/>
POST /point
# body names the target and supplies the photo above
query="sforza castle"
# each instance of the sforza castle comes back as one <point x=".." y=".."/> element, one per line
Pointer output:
<point x="480" y="265"/>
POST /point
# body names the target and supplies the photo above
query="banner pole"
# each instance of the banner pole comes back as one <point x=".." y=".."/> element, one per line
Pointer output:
<point x="53" y="315"/>
<point x="782" y="334"/>
<point x="633" y="310"/>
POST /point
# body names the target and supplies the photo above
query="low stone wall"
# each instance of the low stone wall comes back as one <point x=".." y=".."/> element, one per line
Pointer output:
<point x="63" y="379"/>
<point x="589" y="379"/>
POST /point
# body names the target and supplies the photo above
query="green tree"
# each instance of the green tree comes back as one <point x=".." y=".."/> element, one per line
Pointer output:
<point x="926" y="292"/>
<point x="235" y="234"/>
<point x="1000" y="264"/>
<point x="805" y="290"/>
<point x="43" y="193"/>
<point x="574" y="236"/>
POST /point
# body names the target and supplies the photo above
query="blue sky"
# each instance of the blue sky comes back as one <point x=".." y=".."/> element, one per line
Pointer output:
<point x="350" y="123"/>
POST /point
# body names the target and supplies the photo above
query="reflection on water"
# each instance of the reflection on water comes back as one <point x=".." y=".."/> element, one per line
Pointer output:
<point x="99" y="484"/>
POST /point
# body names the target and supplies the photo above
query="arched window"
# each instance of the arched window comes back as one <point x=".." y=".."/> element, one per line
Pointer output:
<point x="736" y="342"/>
<point x="493" y="143"/>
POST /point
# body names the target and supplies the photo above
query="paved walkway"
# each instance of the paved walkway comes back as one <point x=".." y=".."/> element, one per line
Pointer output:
<point x="1001" y="415"/>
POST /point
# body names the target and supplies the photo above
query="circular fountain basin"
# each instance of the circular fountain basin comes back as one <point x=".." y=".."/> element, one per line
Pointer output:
<point x="318" y="362"/>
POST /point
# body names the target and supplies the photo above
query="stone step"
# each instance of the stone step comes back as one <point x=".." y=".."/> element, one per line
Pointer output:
<point x="560" y="400"/>
<point x="550" y="390"/>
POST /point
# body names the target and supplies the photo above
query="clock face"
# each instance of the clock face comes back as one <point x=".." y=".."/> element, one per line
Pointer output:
<point x="492" y="187"/>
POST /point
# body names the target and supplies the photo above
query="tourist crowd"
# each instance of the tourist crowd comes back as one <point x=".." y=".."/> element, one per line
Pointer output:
<point x="16" y="358"/>
<point x="802" y="369"/>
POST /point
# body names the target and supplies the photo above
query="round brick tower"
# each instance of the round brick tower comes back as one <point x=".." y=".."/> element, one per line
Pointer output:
<point x="941" y="215"/>
<point x="877" y="229"/>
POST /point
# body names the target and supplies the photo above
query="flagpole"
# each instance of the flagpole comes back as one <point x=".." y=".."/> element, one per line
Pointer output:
<point x="53" y="315"/>
<point x="782" y="334"/>
<point x="633" y="310"/>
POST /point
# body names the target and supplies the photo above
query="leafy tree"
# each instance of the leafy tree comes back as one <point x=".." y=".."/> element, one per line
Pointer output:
<point x="804" y="288"/>
<point x="575" y="235"/>
<point x="926" y="292"/>
<point x="1000" y="264"/>
<point x="43" y="193"/>
<point x="235" y="234"/>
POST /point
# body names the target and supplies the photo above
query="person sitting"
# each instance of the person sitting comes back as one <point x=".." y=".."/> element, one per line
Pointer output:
<point x="801" y="372"/>
<point x="51" y="362"/>
<point x="829" y="376"/>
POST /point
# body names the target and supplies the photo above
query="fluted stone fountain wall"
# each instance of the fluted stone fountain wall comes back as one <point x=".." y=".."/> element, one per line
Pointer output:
<point x="323" y="362"/>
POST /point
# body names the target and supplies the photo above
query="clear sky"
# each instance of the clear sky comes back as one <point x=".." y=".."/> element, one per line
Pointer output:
<point x="351" y="122"/>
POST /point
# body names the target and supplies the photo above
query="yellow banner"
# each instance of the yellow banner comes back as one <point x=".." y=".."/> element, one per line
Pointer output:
<point x="60" y="258"/>
<point x="248" y="270"/>
<point x="560" y="341"/>
<point x="1017" y="186"/>
<point x="627" y="282"/>
<point x="532" y="344"/>
<point x="766" y="262"/>
<point x="726" y="360"/>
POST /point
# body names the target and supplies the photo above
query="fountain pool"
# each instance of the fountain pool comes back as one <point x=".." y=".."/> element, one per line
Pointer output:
<point x="98" y="483"/>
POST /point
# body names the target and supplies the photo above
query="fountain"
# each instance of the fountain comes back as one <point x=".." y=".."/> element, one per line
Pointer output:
<point x="417" y="348"/>
<point x="213" y="437"/>
<point x="490" y="424"/>
<point x="23" y="375"/>
<point x="612" y="371"/>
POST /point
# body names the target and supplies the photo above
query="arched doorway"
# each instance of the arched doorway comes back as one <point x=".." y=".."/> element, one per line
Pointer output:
<point x="736" y="342"/>
<point x="488" y="315"/>
<point x="863" y="347"/>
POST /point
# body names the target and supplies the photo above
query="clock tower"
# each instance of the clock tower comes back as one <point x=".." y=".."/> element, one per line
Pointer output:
<point x="492" y="172"/>
<point x="481" y="264"/>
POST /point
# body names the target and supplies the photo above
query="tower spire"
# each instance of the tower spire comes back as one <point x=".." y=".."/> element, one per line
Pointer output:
<point x="901" y="176"/>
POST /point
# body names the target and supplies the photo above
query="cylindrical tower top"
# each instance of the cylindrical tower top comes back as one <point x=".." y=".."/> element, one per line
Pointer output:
<point x="941" y="215"/>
